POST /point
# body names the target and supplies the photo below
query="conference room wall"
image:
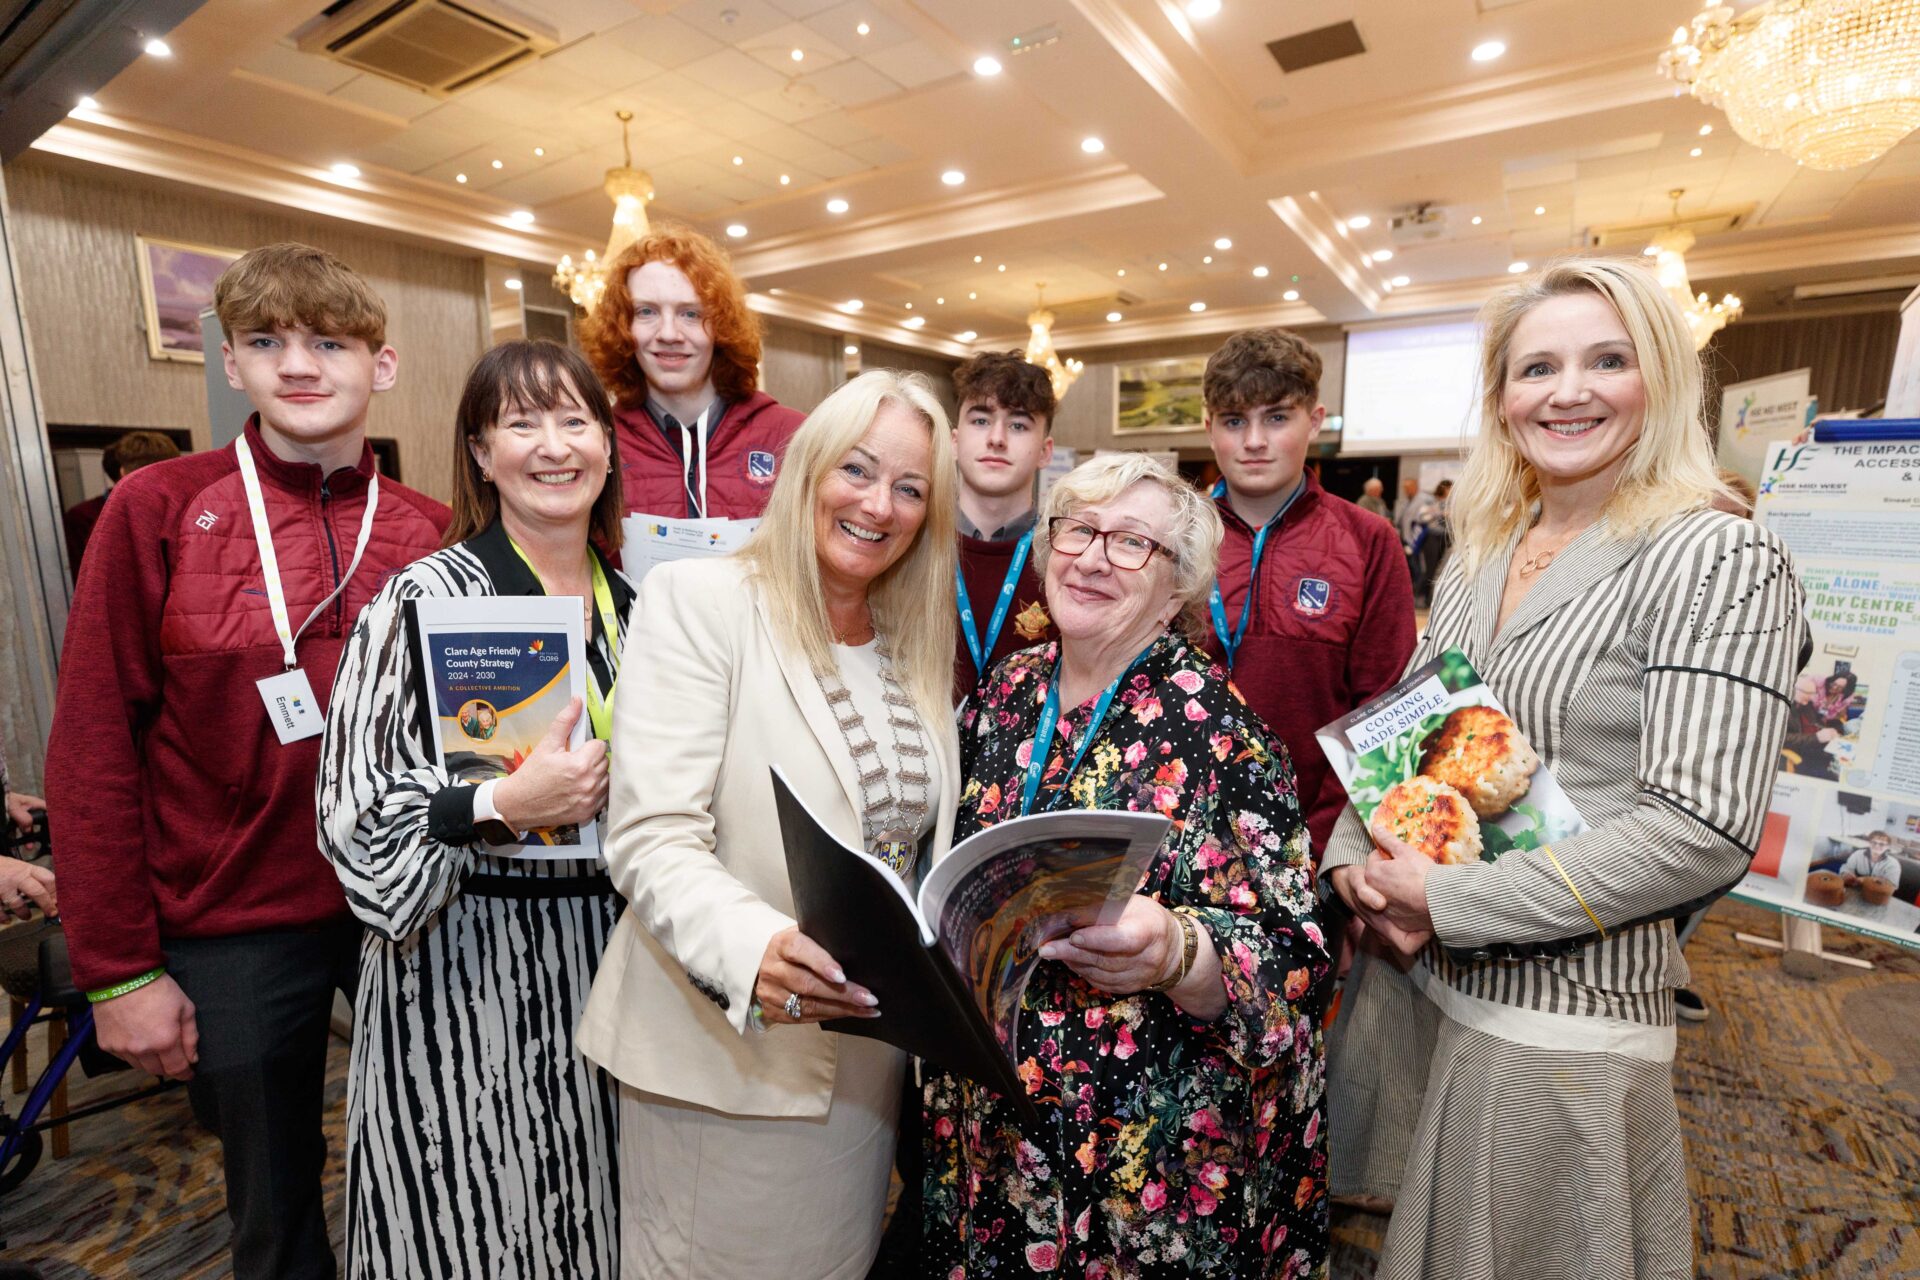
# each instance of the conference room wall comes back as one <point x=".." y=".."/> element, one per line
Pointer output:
<point x="74" y="225"/>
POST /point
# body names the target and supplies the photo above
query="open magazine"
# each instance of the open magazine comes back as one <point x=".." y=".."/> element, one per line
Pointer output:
<point x="494" y="673"/>
<point x="950" y="964"/>
<point x="1444" y="767"/>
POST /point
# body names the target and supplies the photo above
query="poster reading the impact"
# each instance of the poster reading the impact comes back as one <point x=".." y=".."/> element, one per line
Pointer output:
<point x="498" y="672"/>
<point x="1842" y="838"/>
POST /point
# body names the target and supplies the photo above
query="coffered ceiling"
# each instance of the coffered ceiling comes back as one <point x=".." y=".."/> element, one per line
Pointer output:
<point x="1570" y="135"/>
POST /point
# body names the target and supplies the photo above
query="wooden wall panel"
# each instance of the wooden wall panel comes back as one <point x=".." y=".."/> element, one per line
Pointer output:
<point x="798" y="367"/>
<point x="74" y="228"/>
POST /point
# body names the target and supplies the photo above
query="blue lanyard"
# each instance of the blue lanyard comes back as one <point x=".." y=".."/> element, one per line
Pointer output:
<point x="1231" y="643"/>
<point x="1050" y="716"/>
<point x="983" y="651"/>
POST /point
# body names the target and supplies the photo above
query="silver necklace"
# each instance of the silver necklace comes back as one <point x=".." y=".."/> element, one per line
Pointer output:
<point x="889" y="822"/>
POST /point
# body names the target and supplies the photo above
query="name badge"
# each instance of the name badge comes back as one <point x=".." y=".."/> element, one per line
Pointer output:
<point x="291" y="706"/>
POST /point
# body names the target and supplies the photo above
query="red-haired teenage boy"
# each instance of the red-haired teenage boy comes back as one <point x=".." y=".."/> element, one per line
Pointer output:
<point x="205" y="926"/>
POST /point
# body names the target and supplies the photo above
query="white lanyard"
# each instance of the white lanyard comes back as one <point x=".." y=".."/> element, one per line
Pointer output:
<point x="687" y="434"/>
<point x="270" y="563"/>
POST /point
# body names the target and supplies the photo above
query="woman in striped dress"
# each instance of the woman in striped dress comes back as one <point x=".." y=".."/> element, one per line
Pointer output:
<point x="1646" y="645"/>
<point x="479" y="1141"/>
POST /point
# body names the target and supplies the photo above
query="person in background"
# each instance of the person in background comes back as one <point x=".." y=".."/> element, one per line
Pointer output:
<point x="125" y="455"/>
<point x="217" y="593"/>
<point x="466" y="951"/>
<point x="679" y="351"/>
<point x="1004" y="435"/>
<point x="23" y="885"/>
<point x="1875" y="862"/>
<point x="754" y="1143"/>
<point x="1371" y="499"/>
<point x="1409" y="490"/>
<point x="1174" y="1056"/>
<point x="1644" y="643"/>
<point x="1312" y="614"/>
<point x="1433" y="538"/>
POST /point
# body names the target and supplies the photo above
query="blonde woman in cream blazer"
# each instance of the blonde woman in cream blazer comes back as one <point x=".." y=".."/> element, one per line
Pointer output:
<point x="752" y="1142"/>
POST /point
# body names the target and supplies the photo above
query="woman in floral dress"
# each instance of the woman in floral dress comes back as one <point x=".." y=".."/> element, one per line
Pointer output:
<point x="1175" y="1057"/>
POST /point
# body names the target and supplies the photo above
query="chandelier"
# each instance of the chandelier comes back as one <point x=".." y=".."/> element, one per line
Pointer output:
<point x="1669" y="254"/>
<point x="1832" y="83"/>
<point x="629" y="189"/>
<point x="1040" y="346"/>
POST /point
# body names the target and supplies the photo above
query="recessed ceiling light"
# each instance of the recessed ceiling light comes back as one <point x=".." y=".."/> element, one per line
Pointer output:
<point x="499" y="164"/>
<point x="1649" y="251"/>
<point x="1223" y="244"/>
<point x="1001" y="267"/>
<point x="1207" y="261"/>
<point x="977" y="258"/>
<point x="459" y="177"/>
<point x="86" y="104"/>
<point x="1359" y="222"/>
<point x="1092" y="146"/>
<point x="1539" y="209"/>
<point x="540" y="151"/>
<point x="1291" y="295"/>
<point x="1113" y="317"/>
<point x="513" y="283"/>
<point x="1259" y="273"/>
<point x="863" y="29"/>
<point x="1705" y="129"/>
<point x="852" y="304"/>
<point x="522" y="217"/>
<point x="837" y="205"/>
<point x="1401" y="282"/>
<point x="1488" y="51"/>
<point x="1163" y="266"/>
<point x="972" y="297"/>
<point x="1196" y="306"/>
<point x="1476" y="219"/>
<point x="1694" y="153"/>
<point x="851" y="350"/>
<point x="785" y="178"/>
<point x="1515" y="268"/>
<point x="967" y="335"/>
<point x="907" y="305"/>
<point x="798" y="55"/>
<point x="939" y="302"/>
<point x="1383" y="255"/>
<point x="736" y="229"/>
<point x="739" y="159"/>
<point x="1202" y="9"/>
<point x="953" y="177"/>
<point x="985" y="65"/>
<point x="914" y="322"/>
<point x="158" y="48"/>
<point x="1121" y="272"/>
<point x="345" y="170"/>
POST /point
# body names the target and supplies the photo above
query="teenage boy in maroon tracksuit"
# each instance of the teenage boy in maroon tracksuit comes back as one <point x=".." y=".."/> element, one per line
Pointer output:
<point x="203" y="923"/>
<point x="1001" y="439"/>
<point x="679" y="352"/>
<point x="1313" y="609"/>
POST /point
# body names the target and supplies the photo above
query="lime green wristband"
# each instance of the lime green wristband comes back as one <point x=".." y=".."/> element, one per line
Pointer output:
<point x="122" y="988"/>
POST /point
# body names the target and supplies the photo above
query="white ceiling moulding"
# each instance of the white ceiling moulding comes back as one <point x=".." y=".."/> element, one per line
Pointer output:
<point x="1177" y="71"/>
<point x="1289" y="315"/>
<point x="827" y="318"/>
<point x="1309" y="218"/>
<point x="1822" y="249"/>
<point x="392" y="202"/>
<point x="1111" y="187"/>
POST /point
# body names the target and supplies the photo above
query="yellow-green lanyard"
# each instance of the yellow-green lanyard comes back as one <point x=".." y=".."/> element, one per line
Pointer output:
<point x="598" y="708"/>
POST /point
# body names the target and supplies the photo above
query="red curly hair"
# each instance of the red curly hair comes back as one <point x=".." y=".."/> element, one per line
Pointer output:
<point x="606" y="335"/>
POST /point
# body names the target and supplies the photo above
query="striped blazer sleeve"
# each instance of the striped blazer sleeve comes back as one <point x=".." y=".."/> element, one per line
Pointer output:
<point x="1723" y="645"/>
<point x="377" y="777"/>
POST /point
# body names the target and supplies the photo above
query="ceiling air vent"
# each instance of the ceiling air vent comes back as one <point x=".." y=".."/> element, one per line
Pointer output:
<point x="436" y="46"/>
<point x="1311" y="48"/>
<point x="1633" y="235"/>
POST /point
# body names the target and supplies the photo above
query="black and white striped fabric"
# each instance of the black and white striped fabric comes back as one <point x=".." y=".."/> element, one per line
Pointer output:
<point x="479" y="1142"/>
<point x="1653" y="676"/>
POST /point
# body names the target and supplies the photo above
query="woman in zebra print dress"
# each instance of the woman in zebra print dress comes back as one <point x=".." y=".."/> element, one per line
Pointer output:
<point x="479" y="1141"/>
<point x="1646" y="646"/>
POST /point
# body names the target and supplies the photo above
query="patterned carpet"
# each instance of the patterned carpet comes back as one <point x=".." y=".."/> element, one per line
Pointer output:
<point x="1800" y="1100"/>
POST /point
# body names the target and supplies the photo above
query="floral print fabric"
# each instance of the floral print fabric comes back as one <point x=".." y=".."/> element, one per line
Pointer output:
<point x="1167" y="1146"/>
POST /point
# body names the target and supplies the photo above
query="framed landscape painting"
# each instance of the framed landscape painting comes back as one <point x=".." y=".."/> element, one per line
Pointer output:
<point x="176" y="283"/>
<point x="1160" y="395"/>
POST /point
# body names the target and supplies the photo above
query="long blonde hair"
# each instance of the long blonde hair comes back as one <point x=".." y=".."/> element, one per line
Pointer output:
<point x="913" y="601"/>
<point x="1670" y="469"/>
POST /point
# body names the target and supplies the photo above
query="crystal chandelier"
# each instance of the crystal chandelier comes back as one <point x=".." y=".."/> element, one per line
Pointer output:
<point x="629" y="189"/>
<point x="1669" y="253"/>
<point x="1832" y="83"/>
<point x="1040" y="346"/>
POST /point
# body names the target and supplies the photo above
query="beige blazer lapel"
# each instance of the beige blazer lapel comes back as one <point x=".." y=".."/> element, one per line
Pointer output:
<point x="1591" y="558"/>
<point x="805" y="688"/>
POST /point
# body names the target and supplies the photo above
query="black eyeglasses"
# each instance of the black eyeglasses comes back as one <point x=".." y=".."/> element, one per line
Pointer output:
<point x="1125" y="549"/>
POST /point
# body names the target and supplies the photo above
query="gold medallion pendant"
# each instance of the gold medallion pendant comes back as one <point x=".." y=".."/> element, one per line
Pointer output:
<point x="1032" y="622"/>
